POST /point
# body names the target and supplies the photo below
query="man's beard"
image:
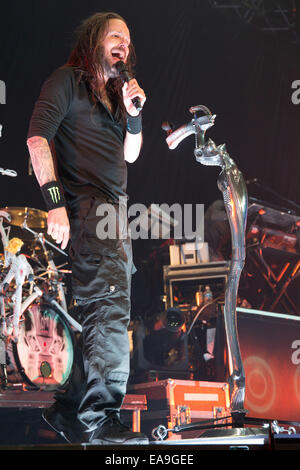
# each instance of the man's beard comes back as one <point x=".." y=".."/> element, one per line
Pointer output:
<point x="109" y="69"/>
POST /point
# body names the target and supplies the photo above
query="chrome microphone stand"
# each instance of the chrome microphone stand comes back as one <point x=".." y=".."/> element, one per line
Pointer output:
<point x="231" y="183"/>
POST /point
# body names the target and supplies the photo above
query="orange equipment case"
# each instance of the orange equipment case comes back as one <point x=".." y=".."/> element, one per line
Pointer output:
<point x="174" y="402"/>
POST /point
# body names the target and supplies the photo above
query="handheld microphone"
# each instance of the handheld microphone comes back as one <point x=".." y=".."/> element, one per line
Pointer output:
<point x="126" y="77"/>
<point x="168" y="127"/>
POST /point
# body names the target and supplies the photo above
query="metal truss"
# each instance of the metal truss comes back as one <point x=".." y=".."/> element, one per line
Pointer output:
<point x="274" y="16"/>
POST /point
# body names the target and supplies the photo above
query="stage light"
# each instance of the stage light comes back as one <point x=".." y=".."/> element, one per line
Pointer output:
<point x="173" y="319"/>
<point x="163" y="343"/>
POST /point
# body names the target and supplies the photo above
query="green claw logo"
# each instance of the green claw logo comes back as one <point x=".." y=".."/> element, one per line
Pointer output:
<point x="54" y="194"/>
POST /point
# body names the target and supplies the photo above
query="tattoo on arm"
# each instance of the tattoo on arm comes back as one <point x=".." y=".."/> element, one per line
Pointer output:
<point x="42" y="160"/>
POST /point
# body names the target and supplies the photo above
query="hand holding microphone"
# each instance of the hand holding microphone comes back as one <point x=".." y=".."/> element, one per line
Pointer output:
<point x="134" y="97"/>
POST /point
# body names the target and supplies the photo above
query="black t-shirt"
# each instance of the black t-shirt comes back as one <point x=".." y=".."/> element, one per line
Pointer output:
<point x="85" y="137"/>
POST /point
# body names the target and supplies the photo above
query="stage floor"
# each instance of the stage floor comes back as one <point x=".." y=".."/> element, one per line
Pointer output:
<point x="25" y="429"/>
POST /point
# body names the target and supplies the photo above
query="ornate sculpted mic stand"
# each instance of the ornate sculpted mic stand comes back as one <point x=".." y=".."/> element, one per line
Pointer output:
<point x="232" y="185"/>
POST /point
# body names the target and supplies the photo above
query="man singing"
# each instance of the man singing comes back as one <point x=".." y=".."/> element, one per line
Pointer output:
<point x="83" y="130"/>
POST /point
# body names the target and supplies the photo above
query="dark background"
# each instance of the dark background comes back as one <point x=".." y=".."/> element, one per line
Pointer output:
<point x="188" y="53"/>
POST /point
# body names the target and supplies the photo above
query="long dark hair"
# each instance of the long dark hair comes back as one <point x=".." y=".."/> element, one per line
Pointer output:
<point x="86" y="54"/>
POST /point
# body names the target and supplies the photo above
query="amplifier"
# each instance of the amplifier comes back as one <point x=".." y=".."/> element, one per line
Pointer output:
<point x="181" y="282"/>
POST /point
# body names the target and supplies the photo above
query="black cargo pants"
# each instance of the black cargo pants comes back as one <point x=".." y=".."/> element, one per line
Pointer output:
<point x="101" y="281"/>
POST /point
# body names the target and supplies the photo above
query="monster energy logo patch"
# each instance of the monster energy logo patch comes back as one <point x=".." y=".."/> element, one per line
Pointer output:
<point x="54" y="194"/>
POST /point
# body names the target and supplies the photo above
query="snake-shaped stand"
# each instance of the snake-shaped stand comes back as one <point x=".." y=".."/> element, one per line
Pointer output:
<point x="232" y="185"/>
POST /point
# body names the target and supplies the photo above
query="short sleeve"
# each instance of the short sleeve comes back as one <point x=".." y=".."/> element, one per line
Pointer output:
<point x="53" y="104"/>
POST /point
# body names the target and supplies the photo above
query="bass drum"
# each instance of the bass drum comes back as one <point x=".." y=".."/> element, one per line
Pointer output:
<point x="44" y="353"/>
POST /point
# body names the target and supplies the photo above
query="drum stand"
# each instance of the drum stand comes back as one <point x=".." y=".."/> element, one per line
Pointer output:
<point x="20" y="269"/>
<point x="61" y="305"/>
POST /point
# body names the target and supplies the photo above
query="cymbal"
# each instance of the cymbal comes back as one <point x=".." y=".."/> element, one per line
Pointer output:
<point x="34" y="218"/>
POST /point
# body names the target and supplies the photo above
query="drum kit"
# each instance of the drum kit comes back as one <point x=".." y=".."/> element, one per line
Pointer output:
<point x="36" y="330"/>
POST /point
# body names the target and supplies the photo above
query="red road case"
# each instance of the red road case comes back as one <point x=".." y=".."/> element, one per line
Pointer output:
<point x="174" y="402"/>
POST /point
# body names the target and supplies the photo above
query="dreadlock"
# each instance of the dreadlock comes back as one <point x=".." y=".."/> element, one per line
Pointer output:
<point x="87" y="54"/>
